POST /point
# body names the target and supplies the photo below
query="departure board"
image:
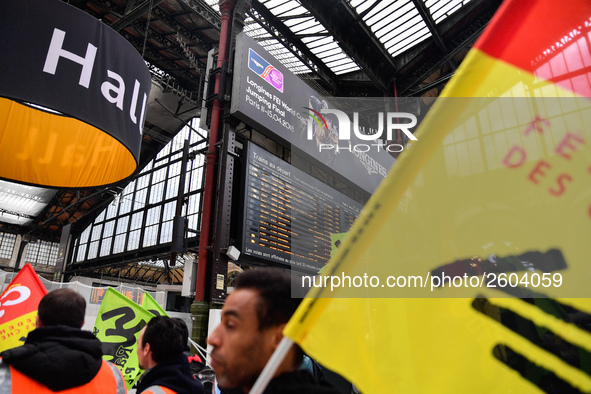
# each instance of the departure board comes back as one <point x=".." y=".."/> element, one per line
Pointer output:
<point x="289" y="216"/>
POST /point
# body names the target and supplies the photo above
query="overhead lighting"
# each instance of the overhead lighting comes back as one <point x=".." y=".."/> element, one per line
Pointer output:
<point x="21" y="202"/>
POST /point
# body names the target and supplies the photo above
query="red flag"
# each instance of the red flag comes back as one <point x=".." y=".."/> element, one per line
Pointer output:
<point x="18" y="307"/>
<point x="545" y="39"/>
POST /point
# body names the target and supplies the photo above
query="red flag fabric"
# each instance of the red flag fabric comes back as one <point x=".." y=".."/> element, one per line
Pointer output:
<point x="18" y="307"/>
<point x="557" y="52"/>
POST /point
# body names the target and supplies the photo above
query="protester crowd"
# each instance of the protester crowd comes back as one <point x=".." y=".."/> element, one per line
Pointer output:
<point x="58" y="356"/>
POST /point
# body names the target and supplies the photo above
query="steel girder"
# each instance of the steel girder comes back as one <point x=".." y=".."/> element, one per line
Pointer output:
<point x="356" y="39"/>
<point x="277" y="29"/>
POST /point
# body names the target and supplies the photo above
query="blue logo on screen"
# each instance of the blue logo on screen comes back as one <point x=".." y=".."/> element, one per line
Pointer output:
<point x="265" y="70"/>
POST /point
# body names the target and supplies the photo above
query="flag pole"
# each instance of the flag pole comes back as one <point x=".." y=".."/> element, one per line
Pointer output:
<point x="202" y="352"/>
<point x="272" y="365"/>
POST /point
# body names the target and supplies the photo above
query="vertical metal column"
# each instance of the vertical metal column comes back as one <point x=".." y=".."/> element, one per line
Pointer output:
<point x="226" y="7"/>
<point x="200" y="307"/>
<point x="62" y="253"/>
<point x="178" y="226"/>
<point x="222" y="217"/>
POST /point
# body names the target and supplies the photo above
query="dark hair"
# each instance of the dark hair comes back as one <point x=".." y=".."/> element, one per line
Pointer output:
<point x="184" y="330"/>
<point x="62" y="307"/>
<point x="276" y="303"/>
<point x="165" y="337"/>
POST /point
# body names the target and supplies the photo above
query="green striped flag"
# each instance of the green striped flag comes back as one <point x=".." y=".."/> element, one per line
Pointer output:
<point x="118" y="326"/>
<point x="150" y="304"/>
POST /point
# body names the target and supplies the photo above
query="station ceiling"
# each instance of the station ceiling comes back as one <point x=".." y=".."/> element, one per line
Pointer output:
<point x="367" y="48"/>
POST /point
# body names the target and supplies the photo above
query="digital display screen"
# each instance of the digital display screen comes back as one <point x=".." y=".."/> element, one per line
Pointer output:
<point x="289" y="216"/>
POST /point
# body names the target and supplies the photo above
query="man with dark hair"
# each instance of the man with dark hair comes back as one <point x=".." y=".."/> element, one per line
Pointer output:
<point x="160" y="351"/>
<point x="253" y="319"/>
<point x="199" y="369"/>
<point x="58" y="355"/>
<point x="63" y="306"/>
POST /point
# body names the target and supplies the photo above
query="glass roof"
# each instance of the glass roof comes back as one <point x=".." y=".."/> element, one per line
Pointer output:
<point x="306" y="28"/>
<point x="20" y="204"/>
<point x="397" y="24"/>
<point x="441" y="9"/>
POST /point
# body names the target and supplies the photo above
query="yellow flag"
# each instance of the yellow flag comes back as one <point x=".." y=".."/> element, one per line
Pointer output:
<point x="149" y="303"/>
<point x="118" y="326"/>
<point x="493" y="200"/>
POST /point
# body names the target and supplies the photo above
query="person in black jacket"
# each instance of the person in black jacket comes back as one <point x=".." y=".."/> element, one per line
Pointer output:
<point x="58" y="355"/>
<point x="253" y="318"/>
<point x="160" y="352"/>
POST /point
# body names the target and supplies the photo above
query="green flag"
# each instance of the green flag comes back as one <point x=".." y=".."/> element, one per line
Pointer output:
<point x="150" y="304"/>
<point x="118" y="326"/>
<point x="335" y="241"/>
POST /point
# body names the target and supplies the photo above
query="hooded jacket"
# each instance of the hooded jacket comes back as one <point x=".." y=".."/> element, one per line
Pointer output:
<point x="59" y="357"/>
<point x="174" y="374"/>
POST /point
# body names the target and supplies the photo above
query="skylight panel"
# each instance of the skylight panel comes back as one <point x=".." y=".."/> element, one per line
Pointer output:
<point x="306" y="27"/>
<point x="213" y="4"/>
<point x="19" y="202"/>
<point x="386" y="14"/>
<point x="331" y="54"/>
<point x="277" y="50"/>
<point x="410" y="42"/>
<point x="342" y="69"/>
<point x="330" y="46"/>
<point x="352" y="68"/>
<point x="270" y="4"/>
<point x="312" y="33"/>
<point x="303" y="22"/>
<point x="362" y="5"/>
<point x="274" y="47"/>
<point x="11" y="218"/>
<point x="336" y="56"/>
<point x="281" y="8"/>
<point x="398" y="24"/>
<point x="395" y="19"/>
<point x="441" y="9"/>
<point x="401" y="30"/>
<point x="383" y="9"/>
<point x="296" y="14"/>
<point x="336" y="62"/>
<point x="398" y="32"/>
<point x="411" y="32"/>
<point x="316" y="42"/>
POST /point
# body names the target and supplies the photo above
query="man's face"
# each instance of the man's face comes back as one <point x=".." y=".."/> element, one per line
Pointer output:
<point x="241" y="350"/>
<point x="141" y="351"/>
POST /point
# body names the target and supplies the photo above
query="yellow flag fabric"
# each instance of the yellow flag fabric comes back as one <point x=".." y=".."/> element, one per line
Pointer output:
<point x="496" y="194"/>
<point x="118" y="325"/>
<point x="150" y="304"/>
